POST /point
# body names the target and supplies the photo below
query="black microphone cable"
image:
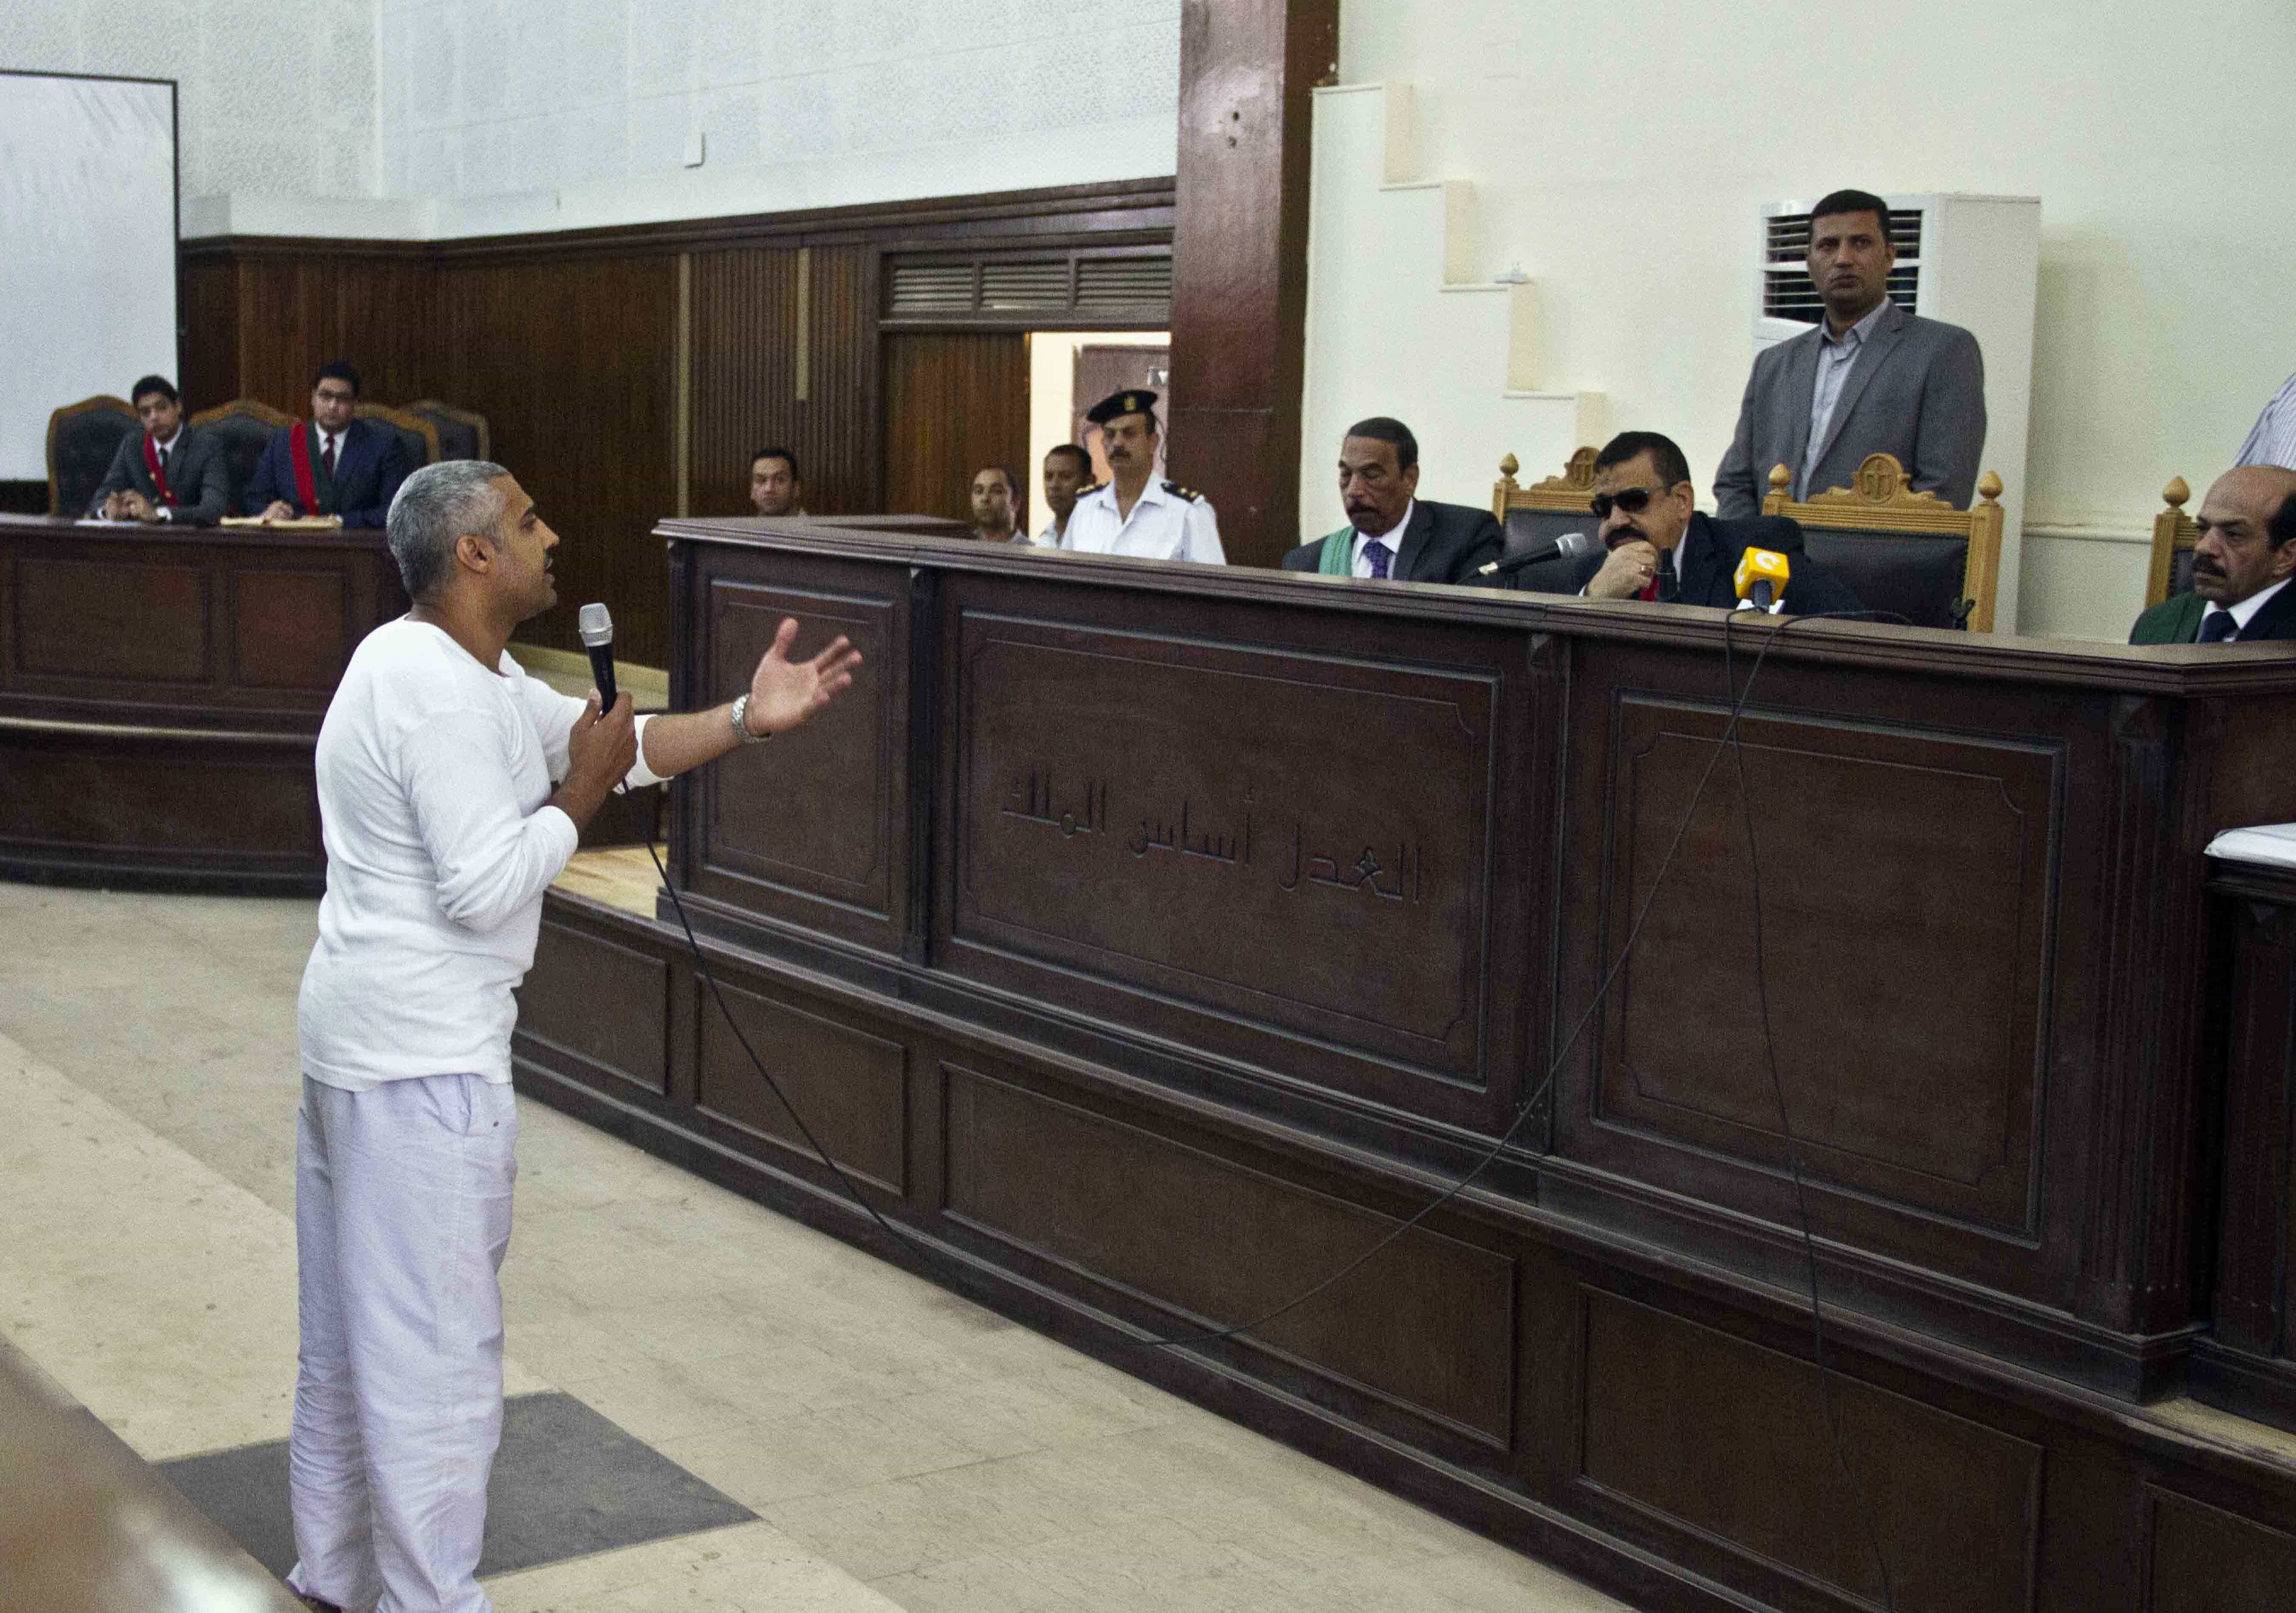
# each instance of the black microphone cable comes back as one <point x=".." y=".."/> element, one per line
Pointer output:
<point x="1730" y="741"/>
<point x="1857" y="1495"/>
<point x="1523" y="1111"/>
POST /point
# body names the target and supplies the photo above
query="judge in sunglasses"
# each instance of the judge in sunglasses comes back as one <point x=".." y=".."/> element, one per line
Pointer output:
<point x="1661" y="547"/>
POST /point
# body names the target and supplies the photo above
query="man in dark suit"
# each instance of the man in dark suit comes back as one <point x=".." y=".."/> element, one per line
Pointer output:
<point x="2241" y="565"/>
<point x="166" y="472"/>
<point x="1871" y="379"/>
<point x="333" y="465"/>
<point x="1659" y="546"/>
<point x="1391" y="532"/>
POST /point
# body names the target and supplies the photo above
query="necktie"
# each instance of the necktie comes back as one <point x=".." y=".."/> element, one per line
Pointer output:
<point x="327" y="454"/>
<point x="2217" y="625"/>
<point x="1663" y="584"/>
<point x="1379" y="554"/>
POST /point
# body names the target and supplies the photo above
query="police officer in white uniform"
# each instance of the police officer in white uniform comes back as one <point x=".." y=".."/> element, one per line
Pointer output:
<point x="1132" y="513"/>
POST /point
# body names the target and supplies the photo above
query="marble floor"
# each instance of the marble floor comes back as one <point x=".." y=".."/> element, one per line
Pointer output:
<point x="902" y="1447"/>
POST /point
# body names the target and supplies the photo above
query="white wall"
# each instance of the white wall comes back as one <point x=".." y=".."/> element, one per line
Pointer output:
<point x="272" y="100"/>
<point x="584" y="108"/>
<point x="1621" y="153"/>
<point x="439" y="118"/>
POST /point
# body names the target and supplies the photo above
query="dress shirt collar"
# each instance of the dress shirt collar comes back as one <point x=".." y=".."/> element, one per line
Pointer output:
<point x="1856" y="335"/>
<point x="164" y="443"/>
<point x="1392" y="537"/>
<point x="2245" y="611"/>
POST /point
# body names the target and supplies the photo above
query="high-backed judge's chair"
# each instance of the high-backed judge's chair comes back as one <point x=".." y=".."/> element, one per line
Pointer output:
<point x="1907" y="555"/>
<point x="82" y="439"/>
<point x="2174" y="535"/>
<point x="244" y="426"/>
<point x="462" y="434"/>
<point x="1543" y="511"/>
<point x="421" y="437"/>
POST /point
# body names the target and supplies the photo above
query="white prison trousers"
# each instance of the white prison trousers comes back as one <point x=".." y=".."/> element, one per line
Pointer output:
<point x="402" y="1216"/>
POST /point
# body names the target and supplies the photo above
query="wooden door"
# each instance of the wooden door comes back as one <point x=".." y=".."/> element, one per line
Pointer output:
<point x="954" y="402"/>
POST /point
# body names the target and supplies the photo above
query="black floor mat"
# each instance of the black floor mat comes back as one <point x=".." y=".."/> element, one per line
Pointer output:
<point x="566" y="1482"/>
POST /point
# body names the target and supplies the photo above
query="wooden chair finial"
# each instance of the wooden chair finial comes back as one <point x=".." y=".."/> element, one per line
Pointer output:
<point x="1509" y="466"/>
<point x="2175" y="494"/>
<point x="1781" y="479"/>
<point x="1988" y="487"/>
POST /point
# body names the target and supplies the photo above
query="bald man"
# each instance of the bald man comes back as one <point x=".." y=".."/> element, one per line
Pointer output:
<point x="2241" y="566"/>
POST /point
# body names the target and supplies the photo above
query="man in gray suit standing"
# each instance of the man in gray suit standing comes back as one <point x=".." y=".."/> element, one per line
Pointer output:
<point x="1871" y="379"/>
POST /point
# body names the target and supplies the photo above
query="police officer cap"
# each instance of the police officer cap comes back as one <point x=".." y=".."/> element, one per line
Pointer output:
<point x="1121" y="403"/>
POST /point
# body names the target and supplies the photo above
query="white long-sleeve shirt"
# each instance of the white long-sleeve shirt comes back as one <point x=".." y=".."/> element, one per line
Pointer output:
<point x="433" y="772"/>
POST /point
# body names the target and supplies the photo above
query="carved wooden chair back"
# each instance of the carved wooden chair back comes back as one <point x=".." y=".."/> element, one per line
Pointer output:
<point x="1905" y="554"/>
<point x="421" y="436"/>
<point x="1543" y="511"/>
<point x="2174" y="534"/>
<point x="82" y="439"/>
<point x="244" y="424"/>
<point x="462" y="434"/>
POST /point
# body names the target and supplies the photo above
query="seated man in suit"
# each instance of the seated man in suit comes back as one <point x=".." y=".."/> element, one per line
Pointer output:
<point x="166" y="472"/>
<point x="334" y="466"/>
<point x="2241" y="565"/>
<point x="1661" y="547"/>
<point x="1391" y="532"/>
<point x="1871" y="379"/>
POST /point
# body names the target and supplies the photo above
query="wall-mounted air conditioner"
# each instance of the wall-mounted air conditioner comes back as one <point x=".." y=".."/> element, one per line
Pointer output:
<point x="1969" y="260"/>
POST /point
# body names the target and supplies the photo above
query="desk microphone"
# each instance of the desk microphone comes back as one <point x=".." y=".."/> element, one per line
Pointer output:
<point x="1568" y="546"/>
<point x="1761" y="581"/>
<point x="596" y="626"/>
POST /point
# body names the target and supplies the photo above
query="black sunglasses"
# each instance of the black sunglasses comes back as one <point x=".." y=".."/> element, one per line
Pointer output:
<point x="1634" y="501"/>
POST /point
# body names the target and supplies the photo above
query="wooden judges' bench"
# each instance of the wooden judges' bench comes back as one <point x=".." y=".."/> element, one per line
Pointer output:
<point x="161" y="695"/>
<point x="1151" y="940"/>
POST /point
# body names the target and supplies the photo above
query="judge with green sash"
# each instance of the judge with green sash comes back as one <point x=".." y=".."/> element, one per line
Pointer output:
<point x="1392" y="534"/>
<point x="2242" y="561"/>
<point x="332" y="464"/>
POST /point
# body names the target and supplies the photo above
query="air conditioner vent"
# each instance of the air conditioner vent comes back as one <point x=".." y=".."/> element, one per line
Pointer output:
<point x="1791" y="294"/>
<point x="1787" y="293"/>
<point x="1001" y="292"/>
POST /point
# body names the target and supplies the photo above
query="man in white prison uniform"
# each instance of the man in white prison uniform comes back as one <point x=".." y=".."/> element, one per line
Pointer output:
<point x="443" y="829"/>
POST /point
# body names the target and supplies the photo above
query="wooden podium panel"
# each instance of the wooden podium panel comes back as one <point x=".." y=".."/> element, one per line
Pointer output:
<point x="160" y="692"/>
<point x="1157" y="942"/>
<point x="1287" y="853"/>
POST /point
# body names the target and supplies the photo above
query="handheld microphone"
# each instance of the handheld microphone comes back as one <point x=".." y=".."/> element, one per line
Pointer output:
<point x="1761" y="581"/>
<point x="596" y="626"/>
<point x="1568" y="546"/>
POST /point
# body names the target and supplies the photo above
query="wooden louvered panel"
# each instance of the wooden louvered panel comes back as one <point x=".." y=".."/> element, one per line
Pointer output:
<point x="1043" y="285"/>
<point x="1128" y="283"/>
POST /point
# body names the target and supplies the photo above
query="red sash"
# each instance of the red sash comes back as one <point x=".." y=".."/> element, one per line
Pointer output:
<point x="299" y="451"/>
<point x="159" y="476"/>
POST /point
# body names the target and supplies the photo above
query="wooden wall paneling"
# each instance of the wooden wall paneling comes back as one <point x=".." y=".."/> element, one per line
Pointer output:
<point x="744" y="334"/>
<point x="954" y="401"/>
<point x="1240" y="259"/>
<point x="837" y="421"/>
<point x="208" y="346"/>
<point x="297" y="313"/>
<point x="574" y="364"/>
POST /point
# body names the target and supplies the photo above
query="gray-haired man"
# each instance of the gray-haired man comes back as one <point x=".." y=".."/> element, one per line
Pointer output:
<point x="443" y="828"/>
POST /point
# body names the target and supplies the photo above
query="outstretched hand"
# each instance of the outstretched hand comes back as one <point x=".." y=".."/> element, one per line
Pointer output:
<point x="784" y="693"/>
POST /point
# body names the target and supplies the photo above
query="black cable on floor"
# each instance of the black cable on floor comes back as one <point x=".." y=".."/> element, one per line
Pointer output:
<point x="1729" y="742"/>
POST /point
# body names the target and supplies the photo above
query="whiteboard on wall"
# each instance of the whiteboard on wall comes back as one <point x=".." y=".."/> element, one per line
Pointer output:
<point x="87" y="248"/>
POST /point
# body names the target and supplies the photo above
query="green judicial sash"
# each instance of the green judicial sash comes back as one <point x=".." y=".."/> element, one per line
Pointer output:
<point x="1339" y="556"/>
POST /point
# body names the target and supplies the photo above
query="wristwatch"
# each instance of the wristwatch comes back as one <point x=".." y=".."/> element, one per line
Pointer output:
<point x="741" y="722"/>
